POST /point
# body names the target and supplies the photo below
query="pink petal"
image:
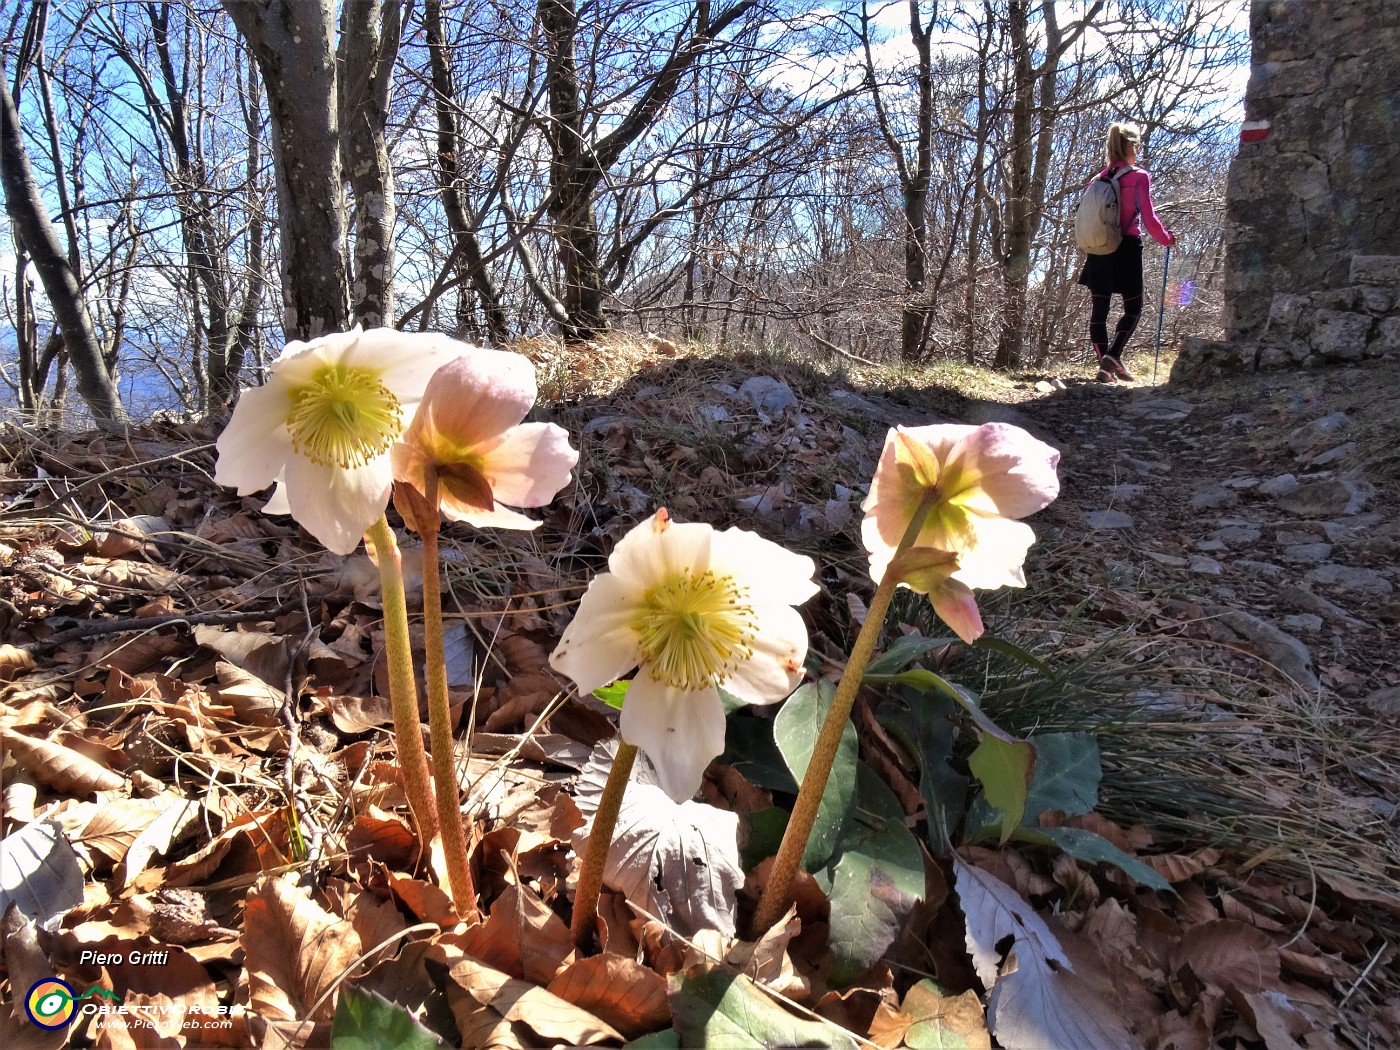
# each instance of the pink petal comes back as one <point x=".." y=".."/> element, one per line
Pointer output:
<point x="497" y="517"/>
<point x="955" y="605"/>
<point x="471" y="401"/>
<point x="1003" y="470"/>
<point x="530" y="464"/>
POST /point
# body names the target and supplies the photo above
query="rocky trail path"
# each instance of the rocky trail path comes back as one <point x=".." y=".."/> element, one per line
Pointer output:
<point x="1258" y="507"/>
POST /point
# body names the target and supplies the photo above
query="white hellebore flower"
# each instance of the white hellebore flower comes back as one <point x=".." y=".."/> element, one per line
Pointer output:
<point x="323" y="424"/>
<point x="693" y="610"/>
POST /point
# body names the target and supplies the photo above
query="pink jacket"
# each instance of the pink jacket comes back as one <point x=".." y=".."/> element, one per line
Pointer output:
<point x="1135" y="202"/>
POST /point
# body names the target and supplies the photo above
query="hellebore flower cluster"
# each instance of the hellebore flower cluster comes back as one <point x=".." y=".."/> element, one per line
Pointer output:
<point x="973" y="482"/>
<point x="694" y="610"/>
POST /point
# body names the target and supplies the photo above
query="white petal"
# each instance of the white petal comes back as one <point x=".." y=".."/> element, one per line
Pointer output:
<point x="773" y="572"/>
<point x="779" y="649"/>
<point x="337" y="505"/>
<point x="995" y="558"/>
<point x="498" y="517"/>
<point x="599" y="645"/>
<point x="681" y="732"/>
<point x="255" y="444"/>
<point x="658" y="548"/>
<point x="278" y="504"/>
<point x="404" y="361"/>
<point x="530" y="465"/>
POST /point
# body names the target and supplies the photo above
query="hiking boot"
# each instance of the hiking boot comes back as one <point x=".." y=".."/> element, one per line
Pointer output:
<point x="1112" y="364"/>
<point x="1105" y="376"/>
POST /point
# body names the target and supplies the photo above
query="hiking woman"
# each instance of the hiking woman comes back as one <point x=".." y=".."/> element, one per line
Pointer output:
<point x="1120" y="272"/>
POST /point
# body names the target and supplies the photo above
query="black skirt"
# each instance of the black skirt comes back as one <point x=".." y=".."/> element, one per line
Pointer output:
<point x="1119" y="272"/>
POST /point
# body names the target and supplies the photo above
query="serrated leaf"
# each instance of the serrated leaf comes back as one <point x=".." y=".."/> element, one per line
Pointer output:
<point x="719" y="1008"/>
<point x="365" y="1020"/>
<point x="1004" y="769"/>
<point x="1095" y="849"/>
<point x="1067" y="774"/>
<point x="1036" y="1000"/>
<point x="796" y="729"/>
<point x="679" y="861"/>
<point x="874" y="881"/>
<point x="39" y="872"/>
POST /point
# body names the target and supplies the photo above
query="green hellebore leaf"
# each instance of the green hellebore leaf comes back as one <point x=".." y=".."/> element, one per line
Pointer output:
<point x="1004" y="769"/>
<point x="365" y="1020"/>
<point x="1095" y="849"/>
<point x="614" y="694"/>
<point x="726" y="1009"/>
<point x="796" y="729"/>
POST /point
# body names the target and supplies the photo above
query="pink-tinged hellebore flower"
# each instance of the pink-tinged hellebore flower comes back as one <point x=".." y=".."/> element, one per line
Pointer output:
<point x="468" y="428"/>
<point x="323" y="424"/>
<point x="981" y="479"/>
<point x="693" y="610"/>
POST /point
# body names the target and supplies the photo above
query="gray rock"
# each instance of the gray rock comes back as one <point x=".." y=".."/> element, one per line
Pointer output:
<point x="1280" y="486"/>
<point x="1350" y="578"/>
<point x="1209" y="545"/>
<point x="1375" y="269"/>
<point x="1258" y="568"/>
<point x="1292" y="537"/>
<point x="769" y="394"/>
<point x="1307" y="553"/>
<point x="1327" y="498"/>
<point x="1387" y="340"/>
<point x="1109" y="519"/>
<point x="1238" y="535"/>
<point x="1314" y="433"/>
<point x="1214" y="497"/>
<point x="1384" y="701"/>
<point x="713" y="413"/>
<point x="1144" y="466"/>
<point x="1332" y="455"/>
<point x="1241" y="484"/>
<point x="1171" y="561"/>
<point x="1302" y="622"/>
<point x="1341" y="334"/>
<point x="1126" y="490"/>
<point x="1278" y="647"/>
<point x="1381" y="808"/>
<point x="1296" y="595"/>
<point x="1161" y="409"/>
<point x="1207" y="566"/>
<point x="1045" y="387"/>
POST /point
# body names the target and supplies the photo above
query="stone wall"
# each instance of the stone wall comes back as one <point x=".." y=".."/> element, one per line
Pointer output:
<point x="1313" y="199"/>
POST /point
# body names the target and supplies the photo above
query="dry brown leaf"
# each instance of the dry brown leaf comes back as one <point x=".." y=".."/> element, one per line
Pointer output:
<point x="14" y="662"/>
<point x="61" y="768"/>
<point x="495" y="1009"/>
<point x="521" y="937"/>
<point x="928" y="1019"/>
<point x="118" y="824"/>
<point x="1231" y="956"/>
<point x="353" y="715"/>
<point x="295" y="950"/>
<point x="430" y="903"/>
<point x="619" y="990"/>
<point x="383" y="837"/>
<point x="251" y="843"/>
<point x="253" y="700"/>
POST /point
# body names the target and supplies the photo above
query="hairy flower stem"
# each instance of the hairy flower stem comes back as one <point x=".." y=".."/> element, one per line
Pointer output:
<point x="777" y="894"/>
<point x="403" y="692"/>
<point x="595" y="854"/>
<point x="449" y="807"/>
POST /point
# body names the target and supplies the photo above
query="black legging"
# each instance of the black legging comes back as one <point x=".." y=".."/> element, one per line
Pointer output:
<point x="1098" y="324"/>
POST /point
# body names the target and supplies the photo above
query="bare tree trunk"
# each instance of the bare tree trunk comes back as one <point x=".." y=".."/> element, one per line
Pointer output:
<point x="369" y="42"/>
<point x="293" y="44"/>
<point x="471" y="265"/>
<point x="30" y="218"/>
<point x="1017" y="260"/>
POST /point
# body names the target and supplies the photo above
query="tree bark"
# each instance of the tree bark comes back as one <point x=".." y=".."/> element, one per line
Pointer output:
<point x="25" y="206"/>
<point x="293" y="44"/>
<point x="369" y="42"/>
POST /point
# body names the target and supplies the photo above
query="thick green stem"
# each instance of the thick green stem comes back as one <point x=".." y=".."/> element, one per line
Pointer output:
<point x="449" y="807"/>
<point x="777" y="894"/>
<point x="595" y="854"/>
<point x="403" y="692"/>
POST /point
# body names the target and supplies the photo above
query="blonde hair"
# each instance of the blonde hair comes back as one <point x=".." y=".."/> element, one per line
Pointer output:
<point x="1122" y="138"/>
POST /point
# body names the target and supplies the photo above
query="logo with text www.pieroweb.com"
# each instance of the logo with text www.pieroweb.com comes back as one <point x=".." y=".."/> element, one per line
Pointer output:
<point x="53" y="1004"/>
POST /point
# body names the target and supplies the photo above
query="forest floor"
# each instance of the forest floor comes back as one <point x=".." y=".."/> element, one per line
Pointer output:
<point x="190" y="698"/>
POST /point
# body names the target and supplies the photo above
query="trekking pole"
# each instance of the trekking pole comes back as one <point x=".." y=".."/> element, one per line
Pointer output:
<point x="1161" y="309"/>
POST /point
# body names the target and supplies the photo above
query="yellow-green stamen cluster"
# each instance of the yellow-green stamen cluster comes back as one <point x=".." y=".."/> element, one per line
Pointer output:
<point x="344" y="417"/>
<point x="694" y="629"/>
